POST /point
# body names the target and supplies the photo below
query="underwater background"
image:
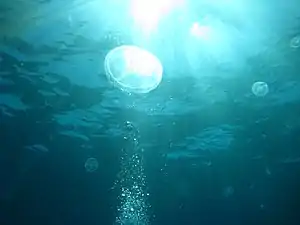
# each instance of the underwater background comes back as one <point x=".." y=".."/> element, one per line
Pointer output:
<point x="216" y="142"/>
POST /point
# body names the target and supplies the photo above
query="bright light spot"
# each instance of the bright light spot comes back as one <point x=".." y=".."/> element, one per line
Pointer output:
<point x="260" y="89"/>
<point x="91" y="165"/>
<point x="295" y="42"/>
<point x="147" y="13"/>
<point x="133" y="69"/>
<point x="200" y="31"/>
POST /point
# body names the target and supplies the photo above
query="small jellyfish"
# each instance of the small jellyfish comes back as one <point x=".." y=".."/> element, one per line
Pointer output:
<point x="295" y="42"/>
<point x="260" y="89"/>
<point x="228" y="191"/>
<point x="91" y="165"/>
<point x="268" y="171"/>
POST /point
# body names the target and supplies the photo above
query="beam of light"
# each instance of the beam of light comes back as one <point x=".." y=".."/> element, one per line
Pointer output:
<point x="148" y="13"/>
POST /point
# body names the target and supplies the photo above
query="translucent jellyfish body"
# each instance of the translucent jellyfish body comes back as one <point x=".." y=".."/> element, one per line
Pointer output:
<point x="133" y="69"/>
<point x="91" y="165"/>
<point x="295" y="42"/>
<point x="260" y="89"/>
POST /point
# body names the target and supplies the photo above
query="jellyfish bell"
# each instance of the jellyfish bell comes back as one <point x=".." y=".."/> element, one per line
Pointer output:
<point x="260" y="88"/>
<point x="133" y="69"/>
<point x="91" y="165"/>
<point x="295" y="42"/>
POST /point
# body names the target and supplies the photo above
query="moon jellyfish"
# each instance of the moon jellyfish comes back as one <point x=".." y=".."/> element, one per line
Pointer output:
<point x="260" y="89"/>
<point x="295" y="42"/>
<point x="228" y="191"/>
<point x="91" y="165"/>
<point x="133" y="69"/>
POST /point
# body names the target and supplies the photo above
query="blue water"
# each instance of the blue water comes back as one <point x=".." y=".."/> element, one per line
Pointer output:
<point x="202" y="148"/>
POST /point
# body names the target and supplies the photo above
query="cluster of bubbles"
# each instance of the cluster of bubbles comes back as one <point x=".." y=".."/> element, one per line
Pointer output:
<point x="133" y="208"/>
<point x="133" y="69"/>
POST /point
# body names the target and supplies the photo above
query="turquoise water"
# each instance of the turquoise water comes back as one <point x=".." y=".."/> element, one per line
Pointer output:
<point x="216" y="141"/>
